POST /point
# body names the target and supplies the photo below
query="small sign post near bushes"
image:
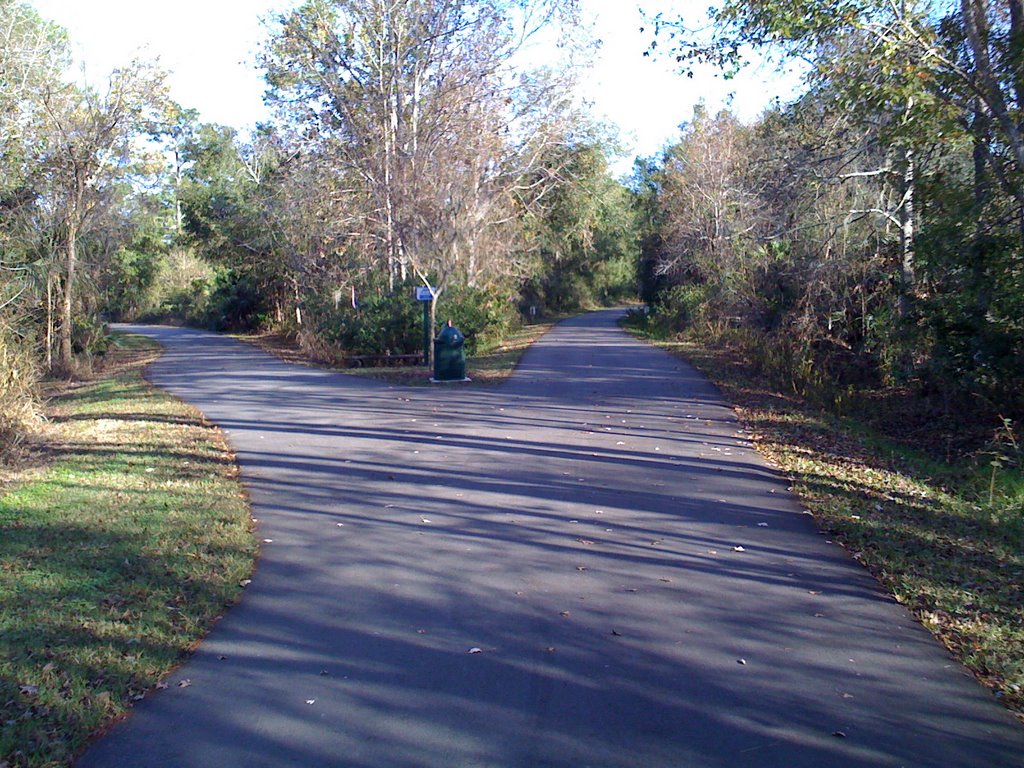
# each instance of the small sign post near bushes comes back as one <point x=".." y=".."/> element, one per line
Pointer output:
<point x="425" y="294"/>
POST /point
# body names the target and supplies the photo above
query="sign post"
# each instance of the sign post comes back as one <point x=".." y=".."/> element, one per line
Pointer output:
<point x="425" y="295"/>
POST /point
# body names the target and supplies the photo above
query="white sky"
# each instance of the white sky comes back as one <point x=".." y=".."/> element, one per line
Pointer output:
<point x="209" y="46"/>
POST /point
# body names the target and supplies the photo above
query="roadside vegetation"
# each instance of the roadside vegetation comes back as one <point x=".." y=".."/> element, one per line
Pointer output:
<point x="122" y="539"/>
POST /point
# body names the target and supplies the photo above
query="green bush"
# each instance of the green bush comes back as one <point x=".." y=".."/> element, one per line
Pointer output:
<point x="130" y="282"/>
<point x="190" y="291"/>
<point x="180" y="290"/>
<point x="480" y="315"/>
<point x="679" y="307"/>
<point x="392" y="322"/>
<point x="89" y="336"/>
<point x="384" y="323"/>
<point x="615" y="280"/>
<point x="236" y="302"/>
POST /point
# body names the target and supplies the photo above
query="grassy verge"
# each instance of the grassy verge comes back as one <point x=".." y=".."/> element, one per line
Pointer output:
<point x="492" y="364"/>
<point x="946" y="538"/>
<point x="117" y="552"/>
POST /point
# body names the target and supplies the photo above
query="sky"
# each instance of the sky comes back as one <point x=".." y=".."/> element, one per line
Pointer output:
<point x="210" y="46"/>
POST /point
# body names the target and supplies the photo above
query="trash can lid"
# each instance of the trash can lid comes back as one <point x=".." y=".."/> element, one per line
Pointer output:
<point x="450" y="334"/>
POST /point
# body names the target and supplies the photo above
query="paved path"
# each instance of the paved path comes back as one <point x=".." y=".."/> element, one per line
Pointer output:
<point x="579" y="526"/>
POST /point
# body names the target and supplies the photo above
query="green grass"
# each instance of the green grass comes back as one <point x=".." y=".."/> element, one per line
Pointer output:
<point x="115" y="558"/>
<point x="941" y="536"/>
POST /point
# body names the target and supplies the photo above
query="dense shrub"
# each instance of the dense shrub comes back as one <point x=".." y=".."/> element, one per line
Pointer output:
<point x="481" y="315"/>
<point x="236" y="302"/>
<point x="677" y="307"/>
<point x="392" y="322"/>
<point x="382" y="323"/>
<point x="89" y="336"/>
<point x="129" y="283"/>
<point x="180" y="291"/>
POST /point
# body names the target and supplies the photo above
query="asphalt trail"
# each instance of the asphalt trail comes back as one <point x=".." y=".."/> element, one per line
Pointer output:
<point x="588" y="566"/>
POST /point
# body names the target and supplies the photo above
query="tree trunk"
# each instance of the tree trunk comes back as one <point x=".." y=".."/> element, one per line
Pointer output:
<point x="976" y="25"/>
<point x="981" y="136"/>
<point x="907" y="233"/>
<point x="49" y="322"/>
<point x="1015" y="51"/>
<point x="471" y="267"/>
<point x="433" y="325"/>
<point x="66" y="358"/>
<point x="179" y="216"/>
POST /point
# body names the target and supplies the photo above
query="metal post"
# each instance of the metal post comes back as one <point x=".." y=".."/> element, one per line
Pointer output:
<point x="426" y="332"/>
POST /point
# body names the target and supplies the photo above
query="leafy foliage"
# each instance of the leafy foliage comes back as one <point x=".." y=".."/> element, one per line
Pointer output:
<point x="871" y="230"/>
<point x="386" y="322"/>
<point x="585" y="237"/>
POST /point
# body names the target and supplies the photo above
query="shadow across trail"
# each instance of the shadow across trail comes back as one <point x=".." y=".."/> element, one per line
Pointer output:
<point x="587" y="566"/>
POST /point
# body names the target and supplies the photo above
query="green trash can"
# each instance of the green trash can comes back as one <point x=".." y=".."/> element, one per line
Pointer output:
<point x="450" y="355"/>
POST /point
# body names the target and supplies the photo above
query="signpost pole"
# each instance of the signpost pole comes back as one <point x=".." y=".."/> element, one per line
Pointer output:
<point x="426" y="333"/>
<point x="425" y="296"/>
